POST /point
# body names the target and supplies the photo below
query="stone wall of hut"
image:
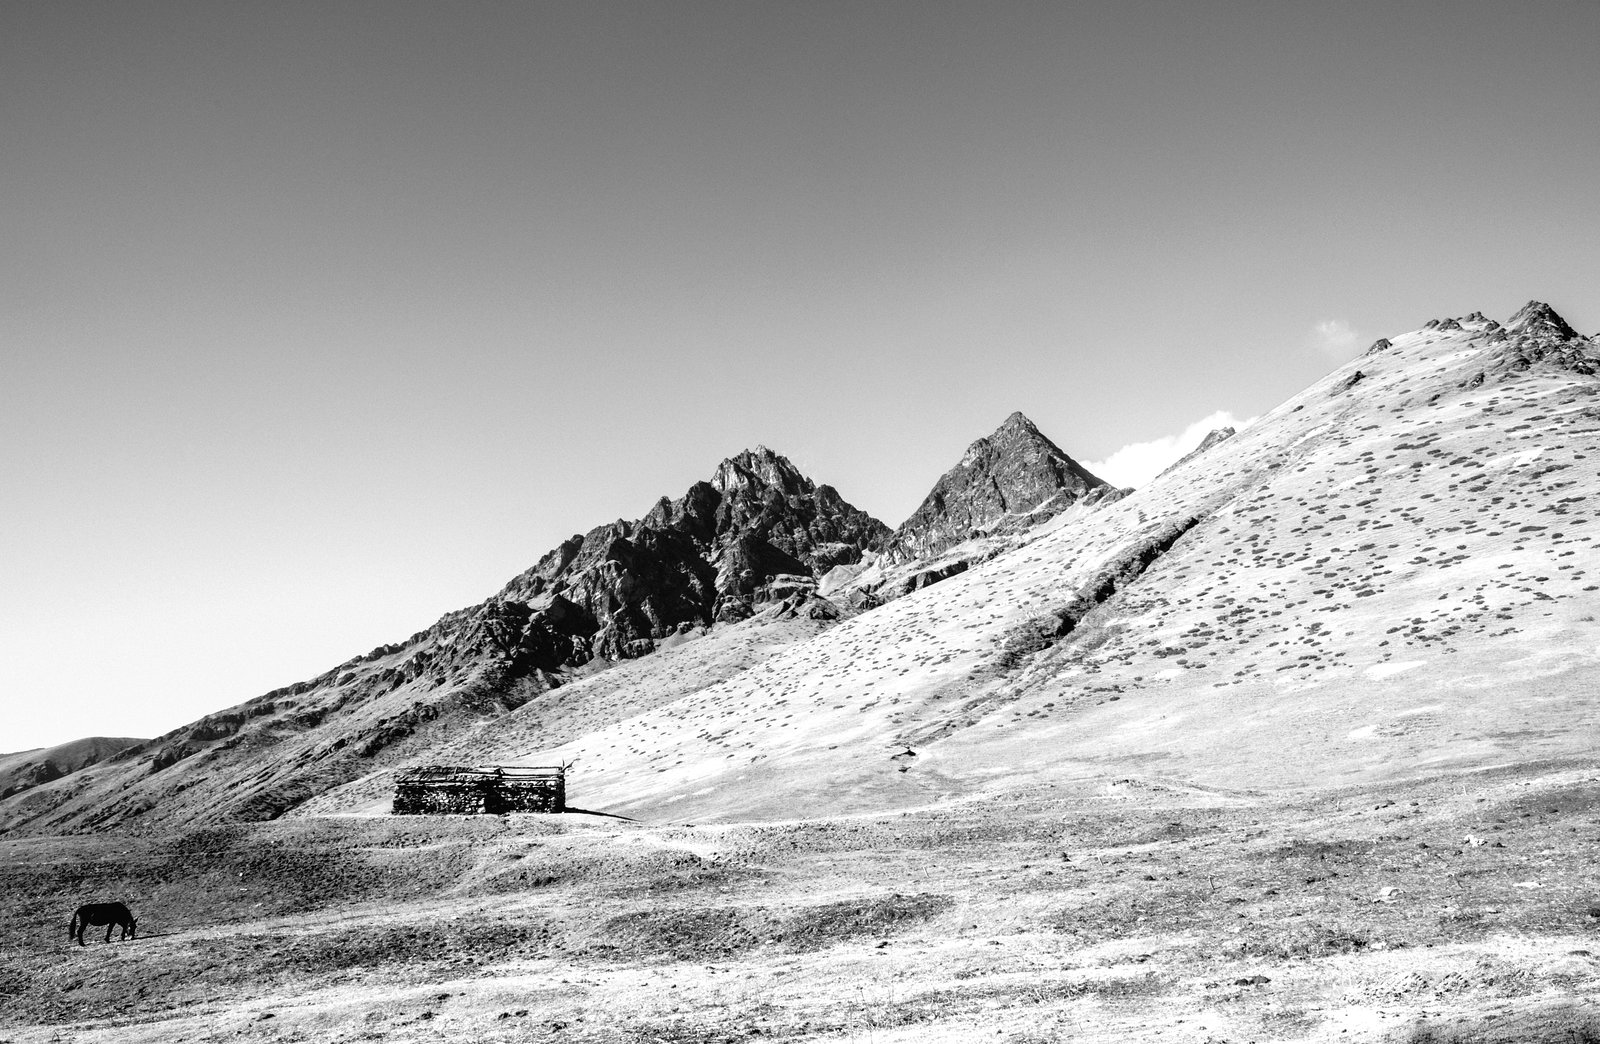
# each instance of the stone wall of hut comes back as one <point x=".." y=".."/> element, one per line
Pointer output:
<point x="460" y="791"/>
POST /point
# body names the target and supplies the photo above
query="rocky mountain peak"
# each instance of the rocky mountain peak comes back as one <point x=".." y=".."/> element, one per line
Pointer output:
<point x="1015" y="430"/>
<point x="758" y="468"/>
<point x="1012" y="474"/>
<point x="709" y="555"/>
<point x="1539" y="319"/>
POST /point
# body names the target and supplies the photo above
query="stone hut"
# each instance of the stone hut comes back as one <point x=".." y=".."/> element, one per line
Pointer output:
<point x="491" y="790"/>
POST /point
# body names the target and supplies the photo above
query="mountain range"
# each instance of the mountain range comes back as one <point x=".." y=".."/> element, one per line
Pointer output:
<point x="1389" y="573"/>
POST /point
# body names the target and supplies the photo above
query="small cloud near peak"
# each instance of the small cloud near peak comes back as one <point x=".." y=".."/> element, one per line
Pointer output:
<point x="1335" y="338"/>
<point x="1138" y="462"/>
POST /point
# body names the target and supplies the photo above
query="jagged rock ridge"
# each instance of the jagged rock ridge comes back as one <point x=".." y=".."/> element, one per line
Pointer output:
<point x="707" y="556"/>
<point x="1011" y="476"/>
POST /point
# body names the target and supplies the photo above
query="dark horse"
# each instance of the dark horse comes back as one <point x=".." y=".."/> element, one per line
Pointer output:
<point x="109" y="914"/>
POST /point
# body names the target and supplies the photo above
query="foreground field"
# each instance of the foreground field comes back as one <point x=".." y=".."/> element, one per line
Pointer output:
<point x="1462" y="907"/>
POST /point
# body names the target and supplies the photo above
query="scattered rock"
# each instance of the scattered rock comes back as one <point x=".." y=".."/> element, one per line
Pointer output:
<point x="928" y="577"/>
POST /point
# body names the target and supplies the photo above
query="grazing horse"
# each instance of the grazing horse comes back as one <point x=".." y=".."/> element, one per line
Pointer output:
<point x="109" y="914"/>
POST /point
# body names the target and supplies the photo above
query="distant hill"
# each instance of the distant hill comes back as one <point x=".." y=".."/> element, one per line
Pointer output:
<point x="29" y="768"/>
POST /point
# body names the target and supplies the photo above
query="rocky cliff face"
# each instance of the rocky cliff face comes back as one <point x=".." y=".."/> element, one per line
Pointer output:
<point x="1014" y="476"/>
<point x="710" y="555"/>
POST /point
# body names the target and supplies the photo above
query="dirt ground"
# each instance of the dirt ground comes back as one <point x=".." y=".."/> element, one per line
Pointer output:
<point x="1457" y="908"/>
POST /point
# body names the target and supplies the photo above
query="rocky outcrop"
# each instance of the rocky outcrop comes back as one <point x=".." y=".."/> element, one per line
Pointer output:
<point x="710" y="555"/>
<point x="1041" y="632"/>
<point x="1537" y="319"/>
<point x="1013" y="478"/>
<point x="1537" y="335"/>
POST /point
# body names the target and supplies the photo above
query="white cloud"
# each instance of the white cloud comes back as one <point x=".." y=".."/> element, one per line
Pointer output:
<point x="1137" y="463"/>
<point x="1335" y="338"/>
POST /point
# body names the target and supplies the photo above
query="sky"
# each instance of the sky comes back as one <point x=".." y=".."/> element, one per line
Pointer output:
<point x="318" y="320"/>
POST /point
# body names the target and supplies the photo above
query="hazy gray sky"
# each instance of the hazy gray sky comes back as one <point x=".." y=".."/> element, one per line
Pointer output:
<point x="322" y="319"/>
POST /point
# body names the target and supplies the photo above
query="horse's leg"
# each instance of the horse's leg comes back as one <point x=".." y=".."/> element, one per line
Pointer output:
<point x="109" y="925"/>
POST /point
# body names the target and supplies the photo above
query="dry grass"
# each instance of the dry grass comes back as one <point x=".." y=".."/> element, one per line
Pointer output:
<point x="1355" y="914"/>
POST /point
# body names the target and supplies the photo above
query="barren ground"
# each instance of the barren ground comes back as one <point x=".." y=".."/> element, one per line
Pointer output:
<point x="1459" y="907"/>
